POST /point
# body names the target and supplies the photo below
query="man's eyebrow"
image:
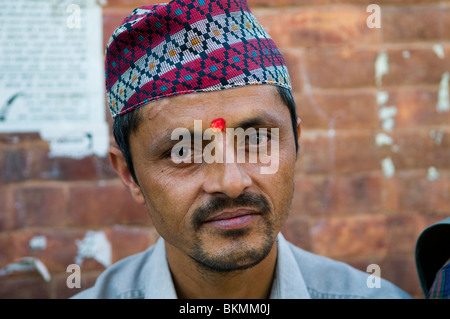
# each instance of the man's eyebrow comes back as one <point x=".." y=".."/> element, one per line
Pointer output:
<point x="165" y="138"/>
<point x="260" y="120"/>
<point x="256" y="121"/>
<point x="162" y="137"/>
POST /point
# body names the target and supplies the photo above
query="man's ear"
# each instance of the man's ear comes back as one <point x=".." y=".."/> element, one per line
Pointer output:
<point x="299" y="129"/>
<point x="119" y="164"/>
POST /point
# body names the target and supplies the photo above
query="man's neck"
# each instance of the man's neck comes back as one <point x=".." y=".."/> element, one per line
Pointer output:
<point x="193" y="281"/>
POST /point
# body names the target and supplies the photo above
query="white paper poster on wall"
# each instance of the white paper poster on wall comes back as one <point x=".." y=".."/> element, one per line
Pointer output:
<point x="52" y="75"/>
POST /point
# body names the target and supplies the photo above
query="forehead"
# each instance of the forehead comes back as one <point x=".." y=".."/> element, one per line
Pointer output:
<point x="234" y="105"/>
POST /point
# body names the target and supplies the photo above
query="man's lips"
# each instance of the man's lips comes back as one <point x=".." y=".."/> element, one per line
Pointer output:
<point x="233" y="214"/>
<point x="233" y="219"/>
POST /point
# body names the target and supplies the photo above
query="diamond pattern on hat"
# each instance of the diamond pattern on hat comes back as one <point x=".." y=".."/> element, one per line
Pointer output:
<point x="188" y="46"/>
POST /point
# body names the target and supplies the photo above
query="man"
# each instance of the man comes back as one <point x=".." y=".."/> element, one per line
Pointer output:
<point x="206" y="71"/>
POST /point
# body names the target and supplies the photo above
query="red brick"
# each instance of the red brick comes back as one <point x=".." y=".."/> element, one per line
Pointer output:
<point x="70" y="169"/>
<point x="27" y="158"/>
<point x="416" y="106"/>
<point x="297" y="231"/>
<point x="356" y="194"/>
<point x="313" y="154"/>
<point x="76" y="169"/>
<point x="403" y="232"/>
<point x="6" y="249"/>
<point x="59" y="252"/>
<point x="8" y="220"/>
<point x="40" y="206"/>
<point x="402" y="271"/>
<point x="417" y="149"/>
<point x="318" y="26"/>
<point x="26" y="161"/>
<point x="31" y="286"/>
<point x="411" y="1"/>
<point x="101" y="204"/>
<point x="13" y="161"/>
<point x="15" y="138"/>
<point x="38" y="165"/>
<point x="126" y="240"/>
<point x="337" y="195"/>
<point x="412" y="192"/>
<point x="416" y="23"/>
<point x="420" y="66"/>
<point x="339" y="151"/>
<point x="343" y="109"/>
<point x="309" y="195"/>
<point x="350" y="236"/>
<point x="23" y="157"/>
<point x="340" y="67"/>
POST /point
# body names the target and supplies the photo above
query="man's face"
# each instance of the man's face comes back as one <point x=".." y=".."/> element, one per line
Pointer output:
<point x="225" y="216"/>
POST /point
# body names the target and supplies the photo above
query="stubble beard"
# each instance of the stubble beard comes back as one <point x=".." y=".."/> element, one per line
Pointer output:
<point x="238" y="255"/>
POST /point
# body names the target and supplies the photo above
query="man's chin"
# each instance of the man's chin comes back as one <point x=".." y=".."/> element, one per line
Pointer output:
<point x="238" y="251"/>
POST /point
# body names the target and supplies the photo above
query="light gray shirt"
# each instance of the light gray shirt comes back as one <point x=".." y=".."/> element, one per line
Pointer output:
<point x="299" y="275"/>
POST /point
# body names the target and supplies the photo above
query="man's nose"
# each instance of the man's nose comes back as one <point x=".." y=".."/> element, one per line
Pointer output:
<point x="227" y="176"/>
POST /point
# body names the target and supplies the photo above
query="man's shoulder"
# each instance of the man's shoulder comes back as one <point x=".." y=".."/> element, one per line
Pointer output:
<point x="329" y="278"/>
<point x="123" y="279"/>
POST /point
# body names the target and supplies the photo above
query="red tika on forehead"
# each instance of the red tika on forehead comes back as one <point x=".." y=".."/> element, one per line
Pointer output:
<point x="218" y="125"/>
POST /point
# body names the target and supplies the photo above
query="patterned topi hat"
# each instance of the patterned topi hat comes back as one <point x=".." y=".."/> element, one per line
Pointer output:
<point x="188" y="46"/>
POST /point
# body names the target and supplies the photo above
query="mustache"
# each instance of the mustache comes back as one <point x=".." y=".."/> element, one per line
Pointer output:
<point x="217" y="204"/>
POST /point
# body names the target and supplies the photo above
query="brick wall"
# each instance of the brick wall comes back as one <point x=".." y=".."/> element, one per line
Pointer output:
<point x="374" y="165"/>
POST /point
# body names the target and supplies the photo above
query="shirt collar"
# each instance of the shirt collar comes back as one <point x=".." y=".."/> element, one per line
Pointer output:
<point x="288" y="282"/>
<point x="159" y="276"/>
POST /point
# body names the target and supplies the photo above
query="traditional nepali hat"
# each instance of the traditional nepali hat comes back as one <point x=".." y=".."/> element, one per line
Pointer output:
<point x="188" y="46"/>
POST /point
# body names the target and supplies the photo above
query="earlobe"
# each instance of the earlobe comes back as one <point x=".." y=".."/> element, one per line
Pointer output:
<point x="119" y="164"/>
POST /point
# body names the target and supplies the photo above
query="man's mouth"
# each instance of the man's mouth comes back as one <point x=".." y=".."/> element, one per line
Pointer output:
<point x="235" y="219"/>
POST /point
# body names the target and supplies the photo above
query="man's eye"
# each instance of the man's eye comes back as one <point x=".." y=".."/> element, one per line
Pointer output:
<point x="181" y="153"/>
<point x="184" y="154"/>
<point x="257" y="139"/>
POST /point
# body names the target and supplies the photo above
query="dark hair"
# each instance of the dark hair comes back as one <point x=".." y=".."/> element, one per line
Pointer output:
<point x="127" y="124"/>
